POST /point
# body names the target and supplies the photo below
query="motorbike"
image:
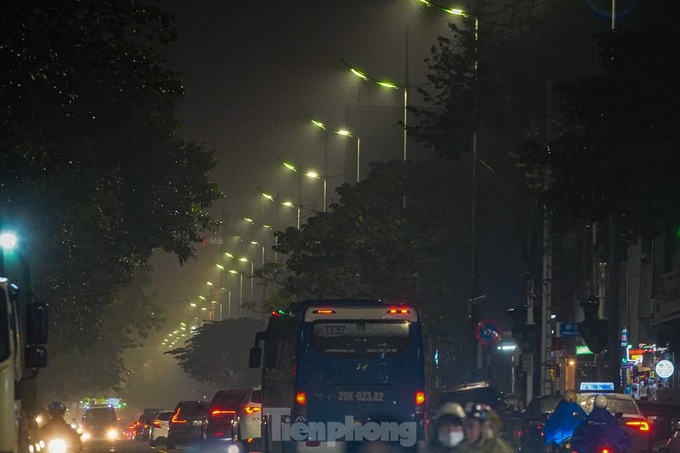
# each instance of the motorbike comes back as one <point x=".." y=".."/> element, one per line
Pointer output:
<point x="60" y="443"/>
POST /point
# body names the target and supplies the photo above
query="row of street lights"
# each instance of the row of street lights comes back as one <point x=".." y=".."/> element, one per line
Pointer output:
<point x="342" y="132"/>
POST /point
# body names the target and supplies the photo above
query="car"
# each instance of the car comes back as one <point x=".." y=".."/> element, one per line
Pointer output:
<point x="159" y="429"/>
<point x="629" y="415"/>
<point x="236" y="414"/>
<point x="143" y="425"/>
<point x="187" y="423"/>
<point x="532" y="421"/>
<point x="100" y="422"/>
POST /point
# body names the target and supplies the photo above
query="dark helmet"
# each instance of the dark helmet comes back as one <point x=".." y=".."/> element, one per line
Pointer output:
<point x="56" y="408"/>
<point x="477" y="411"/>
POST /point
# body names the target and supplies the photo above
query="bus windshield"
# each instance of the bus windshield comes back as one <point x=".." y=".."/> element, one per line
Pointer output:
<point x="361" y="339"/>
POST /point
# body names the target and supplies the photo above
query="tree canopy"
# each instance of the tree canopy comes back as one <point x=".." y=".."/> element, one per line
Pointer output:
<point x="389" y="236"/>
<point x="614" y="149"/>
<point x="218" y="352"/>
<point x="92" y="171"/>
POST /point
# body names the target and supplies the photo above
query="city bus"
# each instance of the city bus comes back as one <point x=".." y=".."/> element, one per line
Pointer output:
<point x="339" y="372"/>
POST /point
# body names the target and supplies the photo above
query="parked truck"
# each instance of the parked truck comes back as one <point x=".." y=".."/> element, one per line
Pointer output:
<point x="23" y="335"/>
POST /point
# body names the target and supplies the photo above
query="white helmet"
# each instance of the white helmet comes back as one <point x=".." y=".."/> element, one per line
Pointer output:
<point x="601" y="401"/>
<point x="450" y="409"/>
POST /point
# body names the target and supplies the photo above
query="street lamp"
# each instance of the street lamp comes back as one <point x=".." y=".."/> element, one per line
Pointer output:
<point x="309" y="174"/>
<point x="362" y="75"/>
<point x="252" y="279"/>
<point x="343" y="132"/>
<point x="257" y="244"/>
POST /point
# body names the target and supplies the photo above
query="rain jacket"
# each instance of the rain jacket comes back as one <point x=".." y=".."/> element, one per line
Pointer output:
<point x="487" y="445"/>
<point x="600" y="428"/>
<point x="563" y="421"/>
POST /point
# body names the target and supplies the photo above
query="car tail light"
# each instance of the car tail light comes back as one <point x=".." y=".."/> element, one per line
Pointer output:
<point x="301" y="398"/>
<point x="175" y="417"/>
<point x="216" y="412"/>
<point x="251" y="409"/>
<point x="640" y="425"/>
<point x="398" y="311"/>
<point x="156" y="424"/>
<point x="420" y="398"/>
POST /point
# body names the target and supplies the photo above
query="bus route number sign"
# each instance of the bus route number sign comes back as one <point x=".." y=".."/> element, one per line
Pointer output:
<point x="488" y="332"/>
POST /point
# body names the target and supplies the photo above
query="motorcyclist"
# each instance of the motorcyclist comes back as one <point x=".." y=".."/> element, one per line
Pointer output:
<point x="447" y="432"/>
<point x="565" y="418"/>
<point x="600" y="428"/>
<point x="482" y="425"/>
<point x="58" y="428"/>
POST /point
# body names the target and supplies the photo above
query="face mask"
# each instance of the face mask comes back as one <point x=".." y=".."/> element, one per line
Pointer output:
<point x="450" y="439"/>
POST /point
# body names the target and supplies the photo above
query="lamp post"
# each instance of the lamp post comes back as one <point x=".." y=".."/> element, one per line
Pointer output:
<point x="257" y="244"/>
<point x="474" y="265"/>
<point x="240" y="297"/>
<point x="252" y="279"/>
<point x="394" y="86"/>
<point x="326" y="130"/>
<point x="344" y="133"/>
<point x="309" y="174"/>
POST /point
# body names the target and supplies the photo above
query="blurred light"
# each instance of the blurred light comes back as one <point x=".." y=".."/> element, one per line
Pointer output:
<point x="8" y="240"/>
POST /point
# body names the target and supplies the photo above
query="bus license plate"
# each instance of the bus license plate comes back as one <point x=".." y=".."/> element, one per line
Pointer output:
<point x="360" y="396"/>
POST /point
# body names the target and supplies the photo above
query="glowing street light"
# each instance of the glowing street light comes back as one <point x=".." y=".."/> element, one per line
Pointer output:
<point x="309" y="174"/>
<point x="345" y="132"/>
<point x="390" y="85"/>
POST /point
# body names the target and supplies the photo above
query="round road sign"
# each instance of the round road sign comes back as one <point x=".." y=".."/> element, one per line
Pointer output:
<point x="488" y="332"/>
<point x="665" y="368"/>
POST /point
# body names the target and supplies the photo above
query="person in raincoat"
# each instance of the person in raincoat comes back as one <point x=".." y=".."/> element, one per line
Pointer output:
<point x="482" y="425"/>
<point x="568" y="415"/>
<point x="599" y="429"/>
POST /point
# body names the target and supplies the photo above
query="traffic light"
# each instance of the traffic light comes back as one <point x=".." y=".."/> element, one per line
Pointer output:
<point x="524" y="334"/>
<point x="593" y="330"/>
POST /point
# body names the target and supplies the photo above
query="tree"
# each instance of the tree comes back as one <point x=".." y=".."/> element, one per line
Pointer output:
<point x="217" y="353"/>
<point x="616" y="139"/>
<point x="91" y="165"/>
<point x="99" y="369"/>
<point x="391" y="236"/>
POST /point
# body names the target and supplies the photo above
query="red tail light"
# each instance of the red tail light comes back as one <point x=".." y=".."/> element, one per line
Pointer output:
<point x="420" y="398"/>
<point x="251" y="409"/>
<point x="175" y="417"/>
<point x="640" y="425"/>
<point x="398" y="311"/>
<point x="156" y="424"/>
<point x="301" y="398"/>
<point x="217" y="412"/>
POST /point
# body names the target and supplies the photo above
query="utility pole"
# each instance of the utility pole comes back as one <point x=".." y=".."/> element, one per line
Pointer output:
<point x="546" y="275"/>
<point x="530" y="356"/>
<point x="546" y="306"/>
